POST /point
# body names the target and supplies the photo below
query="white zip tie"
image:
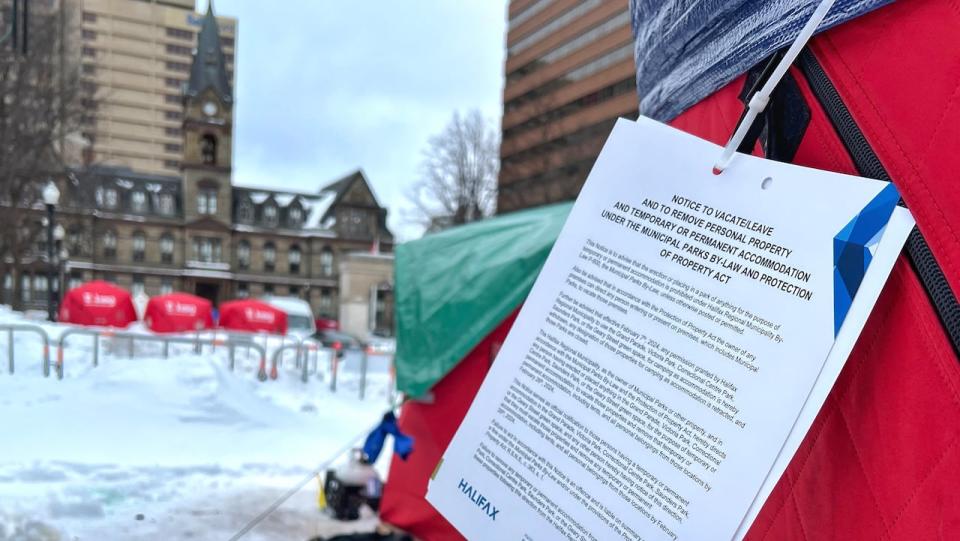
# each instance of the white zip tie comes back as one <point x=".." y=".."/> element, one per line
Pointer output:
<point x="760" y="100"/>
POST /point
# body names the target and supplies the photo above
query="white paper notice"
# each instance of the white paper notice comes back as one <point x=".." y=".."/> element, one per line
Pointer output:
<point x="667" y="348"/>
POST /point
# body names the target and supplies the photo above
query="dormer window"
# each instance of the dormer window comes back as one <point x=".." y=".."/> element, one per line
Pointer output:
<point x="138" y="202"/>
<point x="270" y="214"/>
<point x="166" y="204"/>
<point x="295" y="215"/>
<point x="245" y="212"/>
<point x="107" y="198"/>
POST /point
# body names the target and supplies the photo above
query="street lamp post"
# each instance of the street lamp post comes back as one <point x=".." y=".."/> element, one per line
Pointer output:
<point x="51" y="196"/>
<point x="58" y="251"/>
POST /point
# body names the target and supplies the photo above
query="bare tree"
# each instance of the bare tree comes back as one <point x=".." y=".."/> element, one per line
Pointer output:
<point x="42" y="106"/>
<point x="458" y="181"/>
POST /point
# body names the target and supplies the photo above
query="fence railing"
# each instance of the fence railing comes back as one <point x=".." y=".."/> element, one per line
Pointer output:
<point x="12" y="329"/>
<point x="166" y="341"/>
<point x="308" y="352"/>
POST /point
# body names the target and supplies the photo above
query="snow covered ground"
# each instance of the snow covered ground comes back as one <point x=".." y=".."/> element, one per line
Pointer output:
<point x="177" y="448"/>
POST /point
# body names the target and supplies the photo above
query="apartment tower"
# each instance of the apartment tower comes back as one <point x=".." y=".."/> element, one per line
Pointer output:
<point x="136" y="57"/>
<point x="569" y="76"/>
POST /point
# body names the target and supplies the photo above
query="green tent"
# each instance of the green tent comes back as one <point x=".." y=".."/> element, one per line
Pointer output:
<point x="454" y="287"/>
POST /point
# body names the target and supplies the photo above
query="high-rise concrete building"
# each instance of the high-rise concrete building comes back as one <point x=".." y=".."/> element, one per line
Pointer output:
<point x="569" y="75"/>
<point x="136" y="57"/>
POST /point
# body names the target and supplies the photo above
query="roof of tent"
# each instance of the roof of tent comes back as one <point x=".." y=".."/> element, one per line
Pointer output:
<point x="454" y="287"/>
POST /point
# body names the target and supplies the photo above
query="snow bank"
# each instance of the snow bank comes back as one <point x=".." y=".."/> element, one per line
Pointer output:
<point x="186" y="444"/>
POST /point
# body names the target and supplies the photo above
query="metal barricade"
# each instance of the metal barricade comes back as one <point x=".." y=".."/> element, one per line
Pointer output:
<point x="97" y="334"/>
<point x="303" y="348"/>
<point x="35" y="329"/>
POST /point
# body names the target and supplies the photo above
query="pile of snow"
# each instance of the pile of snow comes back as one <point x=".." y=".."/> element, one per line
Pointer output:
<point x="168" y="448"/>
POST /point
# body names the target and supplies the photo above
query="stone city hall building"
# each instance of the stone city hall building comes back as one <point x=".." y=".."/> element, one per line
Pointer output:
<point x="200" y="234"/>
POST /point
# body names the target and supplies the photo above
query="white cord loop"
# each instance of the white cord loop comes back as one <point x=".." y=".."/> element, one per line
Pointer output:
<point x="760" y="100"/>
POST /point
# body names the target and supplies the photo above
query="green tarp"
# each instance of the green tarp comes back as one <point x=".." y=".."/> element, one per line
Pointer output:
<point x="454" y="287"/>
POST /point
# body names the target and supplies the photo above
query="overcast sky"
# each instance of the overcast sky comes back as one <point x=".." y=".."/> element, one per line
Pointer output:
<point x="329" y="86"/>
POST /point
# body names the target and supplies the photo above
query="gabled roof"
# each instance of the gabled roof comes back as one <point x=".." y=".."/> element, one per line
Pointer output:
<point x="340" y="188"/>
<point x="209" y="69"/>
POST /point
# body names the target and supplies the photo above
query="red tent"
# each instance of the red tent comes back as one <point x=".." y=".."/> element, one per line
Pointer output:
<point x="324" y="323"/>
<point x="252" y="316"/>
<point x="178" y="312"/>
<point x="98" y="303"/>
<point x="876" y="96"/>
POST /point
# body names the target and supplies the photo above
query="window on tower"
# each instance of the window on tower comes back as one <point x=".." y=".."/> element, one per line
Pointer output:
<point x="207" y="201"/>
<point x="207" y="249"/>
<point x="208" y="149"/>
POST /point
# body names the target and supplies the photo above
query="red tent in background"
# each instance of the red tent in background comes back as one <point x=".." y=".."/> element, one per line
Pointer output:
<point x="178" y="312"/>
<point x="327" y="324"/>
<point x="252" y="316"/>
<point x="98" y="303"/>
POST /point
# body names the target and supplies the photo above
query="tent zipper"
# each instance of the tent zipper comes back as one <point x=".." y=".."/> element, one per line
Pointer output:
<point x="868" y="165"/>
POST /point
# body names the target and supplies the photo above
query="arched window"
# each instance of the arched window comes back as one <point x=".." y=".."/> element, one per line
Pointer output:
<point x="208" y="149"/>
<point x="109" y="244"/>
<point x="326" y="303"/>
<point x="26" y="287"/>
<point x="293" y="257"/>
<point x="243" y="255"/>
<point x="139" y="246"/>
<point x="245" y="212"/>
<point x="326" y="261"/>
<point x="207" y="201"/>
<point x="75" y="240"/>
<point x="166" y="248"/>
<point x="269" y="256"/>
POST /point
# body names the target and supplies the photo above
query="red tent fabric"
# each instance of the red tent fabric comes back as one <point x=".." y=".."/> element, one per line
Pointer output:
<point x="178" y="312"/>
<point x="882" y="459"/>
<point x="432" y="423"/>
<point x="98" y="303"/>
<point x="252" y="316"/>
<point x="324" y="323"/>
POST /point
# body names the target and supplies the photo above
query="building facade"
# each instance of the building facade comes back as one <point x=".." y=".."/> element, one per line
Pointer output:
<point x="135" y="59"/>
<point x="197" y="232"/>
<point x="569" y="75"/>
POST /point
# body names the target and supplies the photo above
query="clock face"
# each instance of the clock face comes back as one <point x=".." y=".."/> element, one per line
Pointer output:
<point x="209" y="108"/>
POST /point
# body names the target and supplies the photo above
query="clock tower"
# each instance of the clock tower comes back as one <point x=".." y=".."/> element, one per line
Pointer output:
<point x="208" y="131"/>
